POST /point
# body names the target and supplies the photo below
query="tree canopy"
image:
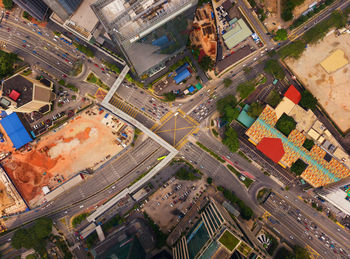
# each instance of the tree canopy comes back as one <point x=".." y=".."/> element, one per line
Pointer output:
<point x="286" y="124"/>
<point x="8" y="4"/>
<point x="298" y="167"/>
<point x="33" y="237"/>
<point x="206" y="63"/>
<point x="255" y="109"/>
<point x="308" y="101"/>
<point x="273" y="67"/>
<point x="245" y="89"/>
<point x="169" y="97"/>
<point x="7" y="61"/>
<point x="293" y="49"/>
<point x="281" y="34"/>
<point x="273" y="98"/>
<point x="226" y="107"/>
<point x="227" y="82"/>
<point x="231" y="139"/>
<point x="301" y="252"/>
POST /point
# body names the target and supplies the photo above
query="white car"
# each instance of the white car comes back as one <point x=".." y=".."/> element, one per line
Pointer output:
<point x="81" y="206"/>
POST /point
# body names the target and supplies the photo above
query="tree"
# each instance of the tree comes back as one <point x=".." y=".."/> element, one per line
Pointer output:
<point x="294" y="50"/>
<point x="286" y="124"/>
<point x="301" y="252"/>
<point x="245" y="89"/>
<point x="228" y="100"/>
<point x="298" y="167"/>
<point x="255" y="109"/>
<point x="273" y="67"/>
<point x="206" y="63"/>
<point x="308" y="144"/>
<point x="231" y="140"/>
<point x="227" y="82"/>
<point x="43" y="227"/>
<point x="308" y="101"/>
<point x="7" y="61"/>
<point x="281" y="35"/>
<point x="273" y="98"/>
<point x="231" y="113"/>
<point x="169" y="97"/>
<point x="209" y="180"/>
<point x="8" y="4"/>
<point x="61" y="82"/>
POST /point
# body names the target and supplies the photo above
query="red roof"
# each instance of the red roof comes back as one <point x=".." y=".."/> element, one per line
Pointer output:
<point x="293" y="94"/>
<point x="14" y="95"/>
<point x="272" y="148"/>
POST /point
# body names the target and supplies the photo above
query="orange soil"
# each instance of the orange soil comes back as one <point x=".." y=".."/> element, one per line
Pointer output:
<point x="59" y="154"/>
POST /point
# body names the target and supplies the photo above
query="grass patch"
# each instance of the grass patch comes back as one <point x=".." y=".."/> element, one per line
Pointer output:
<point x="244" y="249"/>
<point x="72" y="87"/>
<point x="308" y="144"/>
<point x="216" y="134"/>
<point x="247" y="181"/>
<point x="27" y="72"/>
<point x="113" y="222"/>
<point x="78" y="219"/>
<point x="185" y="174"/>
<point x="92" y="78"/>
<point x="229" y="240"/>
<point x="160" y="236"/>
<point x="244" y="156"/>
<point x="298" y="167"/>
<point x="210" y="152"/>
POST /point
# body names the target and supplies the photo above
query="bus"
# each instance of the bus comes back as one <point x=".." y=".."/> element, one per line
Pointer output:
<point x="161" y="158"/>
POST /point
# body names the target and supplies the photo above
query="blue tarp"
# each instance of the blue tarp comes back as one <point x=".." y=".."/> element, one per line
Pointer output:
<point x="182" y="76"/>
<point x="160" y="42"/>
<point x="15" y="130"/>
<point x="191" y="89"/>
<point x="180" y="69"/>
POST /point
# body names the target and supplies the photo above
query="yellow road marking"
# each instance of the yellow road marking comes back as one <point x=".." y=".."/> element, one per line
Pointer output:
<point x="176" y="129"/>
<point x="164" y="122"/>
<point x="184" y="137"/>
<point x="312" y="252"/>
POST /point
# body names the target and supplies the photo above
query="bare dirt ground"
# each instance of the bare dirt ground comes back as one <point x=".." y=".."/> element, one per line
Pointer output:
<point x="5" y="199"/>
<point x="84" y="142"/>
<point x="332" y="89"/>
<point x="164" y="209"/>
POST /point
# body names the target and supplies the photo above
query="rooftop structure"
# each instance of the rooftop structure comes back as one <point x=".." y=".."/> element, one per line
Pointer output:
<point x="244" y="118"/>
<point x="23" y="94"/>
<point x="334" y="61"/>
<point x="15" y="130"/>
<point x="36" y="8"/>
<point x="237" y="33"/>
<point x="137" y="27"/>
<point x="63" y="8"/>
<point x="323" y="167"/>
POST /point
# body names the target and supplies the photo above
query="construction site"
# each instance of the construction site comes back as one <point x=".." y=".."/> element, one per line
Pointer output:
<point x="324" y="70"/>
<point x="83" y="142"/>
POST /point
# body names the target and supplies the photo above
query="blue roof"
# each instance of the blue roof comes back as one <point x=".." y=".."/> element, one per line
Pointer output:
<point x="191" y="89"/>
<point x="182" y="76"/>
<point x="15" y="130"/>
<point x="161" y="42"/>
<point x="180" y="69"/>
<point x="244" y="118"/>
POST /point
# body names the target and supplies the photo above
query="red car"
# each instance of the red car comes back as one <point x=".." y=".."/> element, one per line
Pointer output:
<point x="66" y="60"/>
<point x="102" y="69"/>
<point x="24" y="45"/>
<point x="8" y="29"/>
<point x="96" y="65"/>
<point x="64" y="76"/>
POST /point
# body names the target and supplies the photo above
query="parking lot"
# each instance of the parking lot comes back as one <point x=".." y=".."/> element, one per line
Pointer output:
<point x="172" y="201"/>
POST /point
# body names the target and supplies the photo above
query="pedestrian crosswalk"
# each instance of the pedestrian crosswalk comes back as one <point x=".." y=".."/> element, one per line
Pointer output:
<point x="123" y="106"/>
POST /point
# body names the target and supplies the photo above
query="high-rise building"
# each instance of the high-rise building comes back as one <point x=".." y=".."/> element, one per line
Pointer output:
<point x="36" y="8"/>
<point x="147" y="32"/>
<point x="63" y="8"/>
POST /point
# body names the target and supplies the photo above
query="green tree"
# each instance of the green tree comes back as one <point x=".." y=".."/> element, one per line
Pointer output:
<point x="227" y="82"/>
<point x="245" y="89"/>
<point x="298" y="167"/>
<point x="61" y="82"/>
<point x="281" y="34"/>
<point x="231" y="113"/>
<point x="43" y="227"/>
<point x="228" y="100"/>
<point x="7" y="61"/>
<point x="169" y="97"/>
<point x="273" y="67"/>
<point x="273" y="98"/>
<point x="301" y="252"/>
<point x="231" y="140"/>
<point x="308" y="101"/>
<point x="308" y="144"/>
<point x="286" y="124"/>
<point x="294" y="50"/>
<point x="209" y="180"/>
<point x="255" y="109"/>
<point x="206" y="63"/>
<point x="8" y="4"/>
<point x="22" y="238"/>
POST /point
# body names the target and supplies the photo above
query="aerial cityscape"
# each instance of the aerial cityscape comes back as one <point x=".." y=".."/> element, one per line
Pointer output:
<point x="185" y="129"/>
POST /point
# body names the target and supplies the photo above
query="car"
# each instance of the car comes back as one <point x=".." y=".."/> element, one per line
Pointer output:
<point x="64" y="76"/>
<point x="34" y="52"/>
<point x="24" y="45"/>
<point x="96" y="65"/>
<point x="39" y="32"/>
<point x="24" y="41"/>
<point x="81" y="206"/>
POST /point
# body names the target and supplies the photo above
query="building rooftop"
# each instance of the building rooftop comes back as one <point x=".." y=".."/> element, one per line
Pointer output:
<point x="293" y="94"/>
<point x="21" y="85"/>
<point x="238" y="32"/>
<point x="319" y="172"/>
<point x="272" y="148"/>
